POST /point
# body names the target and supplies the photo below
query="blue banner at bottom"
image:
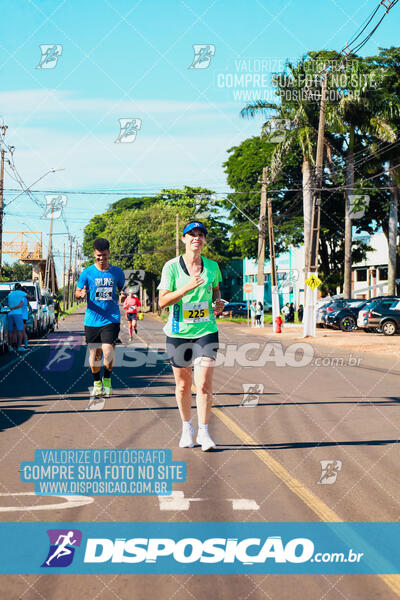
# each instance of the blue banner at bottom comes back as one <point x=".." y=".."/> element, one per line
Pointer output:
<point x="209" y="548"/>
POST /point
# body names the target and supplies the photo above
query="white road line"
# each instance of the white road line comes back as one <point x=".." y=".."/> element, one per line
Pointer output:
<point x="177" y="501"/>
<point x="71" y="502"/>
<point x="243" y="504"/>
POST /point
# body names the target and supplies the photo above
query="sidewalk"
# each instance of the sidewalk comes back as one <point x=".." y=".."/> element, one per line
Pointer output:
<point x="375" y="344"/>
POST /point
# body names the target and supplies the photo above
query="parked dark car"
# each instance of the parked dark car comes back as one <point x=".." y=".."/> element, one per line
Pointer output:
<point x="344" y="316"/>
<point x="329" y="309"/>
<point x="362" y="318"/>
<point x="238" y="309"/>
<point x="384" y="314"/>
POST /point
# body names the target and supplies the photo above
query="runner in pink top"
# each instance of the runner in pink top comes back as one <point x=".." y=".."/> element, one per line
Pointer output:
<point x="131" y="304"/>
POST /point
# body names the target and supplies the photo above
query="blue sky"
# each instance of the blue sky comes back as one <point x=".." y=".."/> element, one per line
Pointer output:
<point x="131" y="59"/>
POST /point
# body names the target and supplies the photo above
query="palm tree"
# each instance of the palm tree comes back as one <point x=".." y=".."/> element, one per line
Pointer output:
<point x="288" y="124"/>
<point x="360" y="115"/>
<point x="388" y="60"/>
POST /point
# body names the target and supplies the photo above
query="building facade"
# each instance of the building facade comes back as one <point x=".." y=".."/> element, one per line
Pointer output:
<point x="290" y="277"/>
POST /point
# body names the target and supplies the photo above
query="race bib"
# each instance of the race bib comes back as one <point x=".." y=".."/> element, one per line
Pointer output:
<point x="104" y="293"/>
<point x="196" y="312"/>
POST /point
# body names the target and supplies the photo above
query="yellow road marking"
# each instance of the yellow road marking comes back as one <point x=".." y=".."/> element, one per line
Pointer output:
<point x="311" y="500"/>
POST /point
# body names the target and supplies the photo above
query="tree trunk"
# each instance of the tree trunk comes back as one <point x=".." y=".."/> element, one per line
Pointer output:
<point x="347" y="218"/>
<point x="307" y="206"/>
<point x="392" y="234"/>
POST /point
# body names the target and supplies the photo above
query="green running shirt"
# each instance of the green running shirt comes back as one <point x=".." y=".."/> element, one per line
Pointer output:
<point x="192" y="316"/>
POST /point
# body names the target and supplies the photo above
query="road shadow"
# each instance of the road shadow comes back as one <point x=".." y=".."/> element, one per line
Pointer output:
<point x="296" y="445"/>
<point x="13" y="417"/>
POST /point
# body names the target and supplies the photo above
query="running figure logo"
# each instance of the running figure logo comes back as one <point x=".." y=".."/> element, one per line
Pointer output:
<point x="330" y="470"/>
<point x="50" y="55"/>
<point x="203" y="54"/>
<point x="62" y="547"/>
<point x="55" y="205"/>
<point x="133" y="277"/>
<point x="251" y="393"/>
<point x="128" y="130"/>
<point x="62" y="347"/>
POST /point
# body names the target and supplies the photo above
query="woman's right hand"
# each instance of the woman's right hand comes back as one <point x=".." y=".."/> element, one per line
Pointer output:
<point x="194" y="282"/>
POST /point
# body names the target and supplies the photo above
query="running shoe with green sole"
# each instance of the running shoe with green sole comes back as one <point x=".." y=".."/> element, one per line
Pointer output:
<point x="97" y="389"/>
<point x="107" y="389"/>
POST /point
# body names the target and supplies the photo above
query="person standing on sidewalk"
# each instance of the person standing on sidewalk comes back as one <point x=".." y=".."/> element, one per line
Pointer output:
<point x="300" y="312"/>
<point x="290" y="317"/>
<point x="253" y="312"/>
<point x="259" y="314"/>
<point x="99" y="284"/>
<point x="285" y="311"/>
<point x="15" y="301"/>
<point x="189" y="285"/>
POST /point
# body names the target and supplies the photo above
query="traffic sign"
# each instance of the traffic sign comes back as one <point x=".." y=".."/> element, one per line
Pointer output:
<point x="248" y="288"/>
<point x="313" y="282"/>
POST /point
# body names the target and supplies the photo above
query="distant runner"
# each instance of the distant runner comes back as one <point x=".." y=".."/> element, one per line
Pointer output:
<point x="189" y="284"/>
<point x="57" y="311"/>
<point x="99" y="283"/>
<point x="131" y="304"/>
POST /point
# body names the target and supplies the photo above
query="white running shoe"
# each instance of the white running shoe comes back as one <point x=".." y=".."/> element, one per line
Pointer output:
<point x="96" y="390"/>
<point x="206" y="443"/>
<point x="186" y="440"/>
<point x="22" y="349"/>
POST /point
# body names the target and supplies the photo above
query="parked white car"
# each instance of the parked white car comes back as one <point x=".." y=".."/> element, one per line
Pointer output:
<point x="47" y="303"/>
<point x="32" y="289"/>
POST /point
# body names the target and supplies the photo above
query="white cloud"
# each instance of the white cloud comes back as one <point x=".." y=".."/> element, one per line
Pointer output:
<point x="47" y="102"/>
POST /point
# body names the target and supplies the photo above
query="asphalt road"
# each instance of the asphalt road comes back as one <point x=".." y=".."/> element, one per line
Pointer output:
<point x="266" y="467"/>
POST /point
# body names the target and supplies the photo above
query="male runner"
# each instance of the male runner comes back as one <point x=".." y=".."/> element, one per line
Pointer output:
<point x="131" y="304"/>
<point x="99" y="283"/>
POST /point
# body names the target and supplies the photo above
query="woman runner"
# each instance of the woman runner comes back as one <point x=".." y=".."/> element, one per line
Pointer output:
<point x="189" y="285"/>
<point x="131" y="304"/>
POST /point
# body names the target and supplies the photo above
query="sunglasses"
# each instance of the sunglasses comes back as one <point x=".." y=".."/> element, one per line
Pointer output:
<point x="200" y="234"/>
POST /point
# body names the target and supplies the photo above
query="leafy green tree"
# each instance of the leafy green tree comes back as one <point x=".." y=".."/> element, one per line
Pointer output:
<point x="16" y="272"/>
<point x="356" y="118"/>
<point x="388" y="61"/>
<point x="143" y="234"/>
<point x="244" y="168"/>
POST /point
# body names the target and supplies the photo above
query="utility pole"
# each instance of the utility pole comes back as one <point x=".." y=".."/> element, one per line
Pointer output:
<point x="3" y="130"/>
<point x="393" y="224"/>
<point x="153" y="286"/>
<point x="177" y="236"/>
<point x="274" y="284"/>
<point x="64" y="281"/>
<point x="74" y="274"/>
<point x="348" y="225"/>
<point x="69" y="270"/>
<point x="53" y="276"/>
<point x="49" y="250"/>
<point x="261" y="242"/>
<point x="261" y="235"/>
<point x="312" y="262"/>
